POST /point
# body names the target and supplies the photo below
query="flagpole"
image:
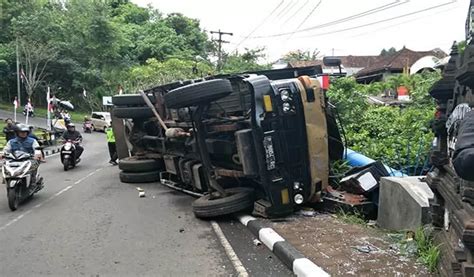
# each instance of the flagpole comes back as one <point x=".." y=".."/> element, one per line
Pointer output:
<point x="27" y="111"/>
<point x="48" y="95"/>
<point x="18" y="74"/>
<point x="15" y="104"/>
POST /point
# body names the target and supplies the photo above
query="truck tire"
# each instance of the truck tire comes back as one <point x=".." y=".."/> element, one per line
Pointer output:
<point x="132" y="112"/>
<point x="133" y="165"/>
<point x="239" y="199"/>
<point x="139" y="177"/>
<point x="197" y="93"/>
<point x="131" y="100"/>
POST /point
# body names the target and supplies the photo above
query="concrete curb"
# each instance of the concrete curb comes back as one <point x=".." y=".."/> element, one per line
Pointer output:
<point x="51" y="151"/>
<point x="289" y="255"/>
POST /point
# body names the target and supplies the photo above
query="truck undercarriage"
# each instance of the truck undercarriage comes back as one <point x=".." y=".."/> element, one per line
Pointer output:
<point x="243" y="141"/>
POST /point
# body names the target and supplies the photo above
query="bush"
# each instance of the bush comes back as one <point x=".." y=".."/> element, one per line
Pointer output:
<point x="398" y="136"/>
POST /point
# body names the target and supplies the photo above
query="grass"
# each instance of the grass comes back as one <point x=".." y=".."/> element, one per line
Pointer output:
<point x="428" y="253"/>
<point x="351" y="217"/>
<point x="76" y="116"/>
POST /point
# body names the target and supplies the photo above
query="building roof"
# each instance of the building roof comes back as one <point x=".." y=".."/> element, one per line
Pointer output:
<point x="346" y="61"/>
<point x="396" y="62"/>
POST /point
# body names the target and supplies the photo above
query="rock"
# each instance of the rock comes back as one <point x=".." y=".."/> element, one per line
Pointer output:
<point x="403" y="203"/>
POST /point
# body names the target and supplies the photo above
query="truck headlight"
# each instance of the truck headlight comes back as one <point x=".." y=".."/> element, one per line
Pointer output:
<point x="299" y="199"/>
<point x="286" y="107"/>
<point x="285" y="95"/>
<point x="296" y="185"/>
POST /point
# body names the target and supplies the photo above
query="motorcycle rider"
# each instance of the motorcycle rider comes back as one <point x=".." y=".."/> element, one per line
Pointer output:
<point x="25" y="143"/>
<point x="73" y="135"/>
<point x="9" y="129"/>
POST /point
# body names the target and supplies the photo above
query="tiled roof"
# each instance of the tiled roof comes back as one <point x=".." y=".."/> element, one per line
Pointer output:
<point x="404" y="57"/>
<point x="346" y="61"/>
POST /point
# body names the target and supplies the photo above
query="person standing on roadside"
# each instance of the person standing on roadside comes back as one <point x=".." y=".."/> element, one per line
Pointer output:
<point x="9" y="129"/>
<point x="111" y="144"/>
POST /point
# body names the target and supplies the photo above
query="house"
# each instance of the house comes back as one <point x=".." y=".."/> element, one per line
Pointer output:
<point x="405" y="60"/>
<point x="350" y="64"/>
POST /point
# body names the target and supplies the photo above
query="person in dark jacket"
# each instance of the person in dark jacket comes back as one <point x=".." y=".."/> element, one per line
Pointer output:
<point x="9" y="129"/>
<point x="73" y="135"/>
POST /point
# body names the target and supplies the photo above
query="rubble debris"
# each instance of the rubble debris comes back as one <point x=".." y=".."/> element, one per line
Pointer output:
<point x="256" y="242"/>
<point x="141" y="192"/>
<point x="361" y="180"/>
<point x="368" y="248"/>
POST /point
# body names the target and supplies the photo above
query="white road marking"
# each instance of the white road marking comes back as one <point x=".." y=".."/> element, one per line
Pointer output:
<point x="241" y="271"/>
<point x="269" y="237"/>
<point x="14" y="220"/>
<point x="48" y="200"/>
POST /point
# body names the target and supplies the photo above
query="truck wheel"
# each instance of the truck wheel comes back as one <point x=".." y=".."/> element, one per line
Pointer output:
<point x="131" y="164"/>
<point x="238" y="199"/>
<point x="132" y="112"/>
<point x="197" y="93"/>
<point x="139" y="177"/>
<point x="13" y="200"/>
<point x="131" y="100"/>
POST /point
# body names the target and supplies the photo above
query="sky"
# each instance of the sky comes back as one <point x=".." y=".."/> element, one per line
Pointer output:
<point x="339" y="27"/>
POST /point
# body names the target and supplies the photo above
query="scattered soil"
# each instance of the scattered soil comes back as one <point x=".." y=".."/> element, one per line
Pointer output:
<point x="344" y="249"/>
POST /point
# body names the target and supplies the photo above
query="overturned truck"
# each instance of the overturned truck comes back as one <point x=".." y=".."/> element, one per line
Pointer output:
<point x="258" y="141"/>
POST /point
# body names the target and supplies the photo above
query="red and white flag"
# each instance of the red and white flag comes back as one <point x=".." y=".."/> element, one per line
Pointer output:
<point x="15" y="103"/>
<point x="28" y="105"/>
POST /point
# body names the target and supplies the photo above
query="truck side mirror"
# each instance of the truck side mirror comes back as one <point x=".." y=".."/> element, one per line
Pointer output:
<point x="332" y="61"/>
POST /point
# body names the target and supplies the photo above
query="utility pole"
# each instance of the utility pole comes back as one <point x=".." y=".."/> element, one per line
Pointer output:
<point x="18" y="73"/>
<point x="219" y="50"/>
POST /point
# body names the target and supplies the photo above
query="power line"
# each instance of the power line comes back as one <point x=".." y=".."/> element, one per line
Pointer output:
<point x="400" y="23"/>
<point x="286" y="15"/>
<point x="296" y="12"/>
<point x="381" y="21"/>
<point x="284" y="9"/>
<point x="341" y="20"/>
<point x="306" y="18"/>
<point x="260" y="24"/>
<point x="310" y="13"/>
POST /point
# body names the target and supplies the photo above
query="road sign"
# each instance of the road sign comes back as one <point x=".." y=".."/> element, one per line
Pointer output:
<point x="107" y="100"/>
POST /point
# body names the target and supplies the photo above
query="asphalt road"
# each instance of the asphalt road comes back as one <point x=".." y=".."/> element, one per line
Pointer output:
<point x="86" y="222"/>
<point x="36" y="121"/>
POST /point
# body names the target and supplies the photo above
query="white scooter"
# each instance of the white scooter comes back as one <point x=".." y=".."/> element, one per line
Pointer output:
<point x="20" y="174"/>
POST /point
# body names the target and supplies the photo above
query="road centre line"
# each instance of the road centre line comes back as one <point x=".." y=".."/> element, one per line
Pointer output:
<point x="48" y="200"/>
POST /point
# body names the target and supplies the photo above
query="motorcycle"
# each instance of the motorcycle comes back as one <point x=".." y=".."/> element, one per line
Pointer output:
<point x="31" y="113"/>
<point x="20" y="173"/>
<point x="68" y="154"/>
<point x="87" y="127"/>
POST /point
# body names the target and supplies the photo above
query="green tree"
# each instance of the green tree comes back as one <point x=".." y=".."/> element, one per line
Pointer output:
<point x="301" y="55"/>
<point x="247" y="61"/>
<point x="391" y="51"/>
